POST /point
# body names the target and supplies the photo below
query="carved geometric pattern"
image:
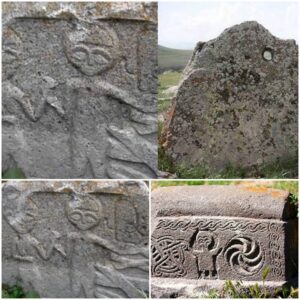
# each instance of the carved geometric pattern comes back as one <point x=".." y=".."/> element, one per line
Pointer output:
<point x="212" y="225"/>
<point x="275" y="249"/>
<point x="244" y="255"/>
<point x="242" y="248"/>
<point x="168" y="256"/>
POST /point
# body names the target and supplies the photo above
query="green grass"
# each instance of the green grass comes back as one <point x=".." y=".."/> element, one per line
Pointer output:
<point x="163" y="183"/>
<point x="15" y="173"/>
<point x="291" y="186"/>
<point x="169" y="79"/>
<point x="166" y="80"/>
<point x="172" y="59"/>
<point x="238" y="290"/>
<point x="284" y="169"/>
<point x="16" y="291"/>
<point x="287" y="168"/>
<point x="164" y="105"/>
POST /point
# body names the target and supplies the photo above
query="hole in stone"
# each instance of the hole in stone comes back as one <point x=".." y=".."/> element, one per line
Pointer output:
<point x="268" y="54"/>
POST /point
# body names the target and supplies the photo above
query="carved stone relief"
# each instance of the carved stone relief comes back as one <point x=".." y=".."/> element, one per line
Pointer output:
<point x="206" y="233"/>
<point x="73" y="83"/>
<point x="215" y="248"/>
<point x="57" y="241"/>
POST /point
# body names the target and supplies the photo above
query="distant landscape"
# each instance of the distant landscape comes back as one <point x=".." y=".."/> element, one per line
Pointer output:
<point x="171" y="63"/>
<point x="172" y="59"/>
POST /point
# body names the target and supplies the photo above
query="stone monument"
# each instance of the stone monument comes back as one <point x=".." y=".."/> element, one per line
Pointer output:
<point x="237" y="103"/>
<point x="79" y="89"/>
<point x="78" y="239"/>
<point x="204" y="235"/>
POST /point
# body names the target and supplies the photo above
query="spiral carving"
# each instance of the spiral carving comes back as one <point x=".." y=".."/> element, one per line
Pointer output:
<point x="245" y="256"/>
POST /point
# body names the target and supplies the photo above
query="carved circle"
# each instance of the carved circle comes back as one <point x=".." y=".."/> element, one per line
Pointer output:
<point x="92" y="50"/>
<point x="244" y="255"/>
<point x="83" y="211"/>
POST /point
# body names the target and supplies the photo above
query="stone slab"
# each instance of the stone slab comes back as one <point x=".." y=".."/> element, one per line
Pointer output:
<point x="79" y="89"/>
<point x="223" y="232"/>
<point x="178" y="288"/>
<point x="72" y="239"/>
<point x="237" y="103"/>
<point x="218" y="200"/>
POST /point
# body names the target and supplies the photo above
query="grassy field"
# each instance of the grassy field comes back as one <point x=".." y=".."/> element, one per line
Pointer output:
<point x="166" y="80"/>
<point x="172" y="59"/>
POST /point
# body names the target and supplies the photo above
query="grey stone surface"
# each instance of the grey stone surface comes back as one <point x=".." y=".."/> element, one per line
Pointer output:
<point x="188" y="288"/>
<point x="217" y="233"/>
<point x="79" y="89"/>
<point x="74" y="239"/>
<point x="237" y="103"/>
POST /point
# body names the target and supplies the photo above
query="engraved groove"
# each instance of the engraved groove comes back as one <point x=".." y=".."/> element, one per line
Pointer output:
<point x="211" y="225"/>
<point x="244" y="255"/>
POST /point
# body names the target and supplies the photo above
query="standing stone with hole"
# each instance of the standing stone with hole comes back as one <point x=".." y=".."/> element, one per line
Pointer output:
<point x="202" y="236"/>
<point x="237" y="104"/>
<point x="71" y="239"/>
<point x="79" y="89"/>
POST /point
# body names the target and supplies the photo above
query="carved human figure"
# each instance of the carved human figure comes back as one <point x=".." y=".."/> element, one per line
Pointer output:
<point x="12" y="60"/>
<point x="205" y="251"/>
<point x="23" y="218"/>
<point x="132" y="225"/>
<point x="21" y="213"/>
<point x="94" y="51"/>
<point x="14" y="97"/>
<point x="87" y="250"/>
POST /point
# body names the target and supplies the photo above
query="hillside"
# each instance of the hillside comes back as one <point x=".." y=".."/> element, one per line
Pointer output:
<point x="172" y="59"/>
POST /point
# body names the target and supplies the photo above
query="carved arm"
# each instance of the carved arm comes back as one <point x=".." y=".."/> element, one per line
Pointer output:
<point x="17" y="256"/>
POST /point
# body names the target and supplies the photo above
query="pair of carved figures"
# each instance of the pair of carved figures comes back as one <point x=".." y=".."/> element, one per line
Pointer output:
<point x="88" y="277"/>
<point x="93" y="51"/>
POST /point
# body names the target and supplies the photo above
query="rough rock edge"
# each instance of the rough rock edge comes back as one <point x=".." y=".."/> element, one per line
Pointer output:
<point x="126" y="187"/>
<point x="200" y="45"/>
<point x="85" y="11"/>
<point x="168" y="288"/>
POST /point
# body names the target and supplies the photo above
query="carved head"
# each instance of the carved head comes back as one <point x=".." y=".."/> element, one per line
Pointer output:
<point x="10" y="52"/>
<point x="20" y="211"/>
<point x="203" y="240"/>
<point x="84" y="211"/>
<point x="92" y="51"/>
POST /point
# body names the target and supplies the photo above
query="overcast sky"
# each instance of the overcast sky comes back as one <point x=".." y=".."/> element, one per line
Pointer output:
<point x="182" y="24"/>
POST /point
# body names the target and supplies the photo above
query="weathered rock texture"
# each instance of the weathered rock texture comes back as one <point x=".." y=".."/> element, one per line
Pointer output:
<point x="237" y="102"/>
<point x="206" y="233"/>
<point x="79" y="89"/>
<point x="76" y="239"/>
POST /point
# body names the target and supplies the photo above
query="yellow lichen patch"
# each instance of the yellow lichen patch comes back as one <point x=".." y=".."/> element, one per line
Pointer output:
<point x="264" y="190"/>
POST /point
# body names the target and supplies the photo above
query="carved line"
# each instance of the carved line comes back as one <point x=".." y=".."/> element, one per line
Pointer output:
<point x="168" y="257"/>
<point x="211" y="225"/>
<point x="244" y="255"/>
<point x="275" y="250"/>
